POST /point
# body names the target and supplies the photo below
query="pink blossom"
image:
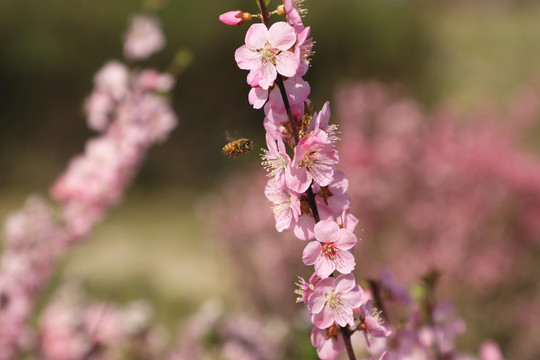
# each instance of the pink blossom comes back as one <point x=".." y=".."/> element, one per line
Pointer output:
<point x="347" y="220"/>
<point x="294" y="13"/>
<point x="153" y="80"/>
<point x="274" y="122"/>
<point x="275" y="159"/>
<point x="233" y="17"/>
<point x="286" y="204"/>
<point x="489" y="350"/>
<point x="321" y="121"/>
<point x="143" y="38"/>
<point x="329" y="342"/>
<point x="333" y="198"/>
<point x="330" y="251"/>
<point x="98" y="107"/>
<point x="314" y="160"/>
<point x="266" y="52"/>
<point x="305" y="289"/>
<point x="112" y="79"/>
<point x="371" y="322"/>
<point x="297" y="90"/>
<point x="257" y="97"/>
<point x="303" y="50"/>
<point x="333" y="300"/>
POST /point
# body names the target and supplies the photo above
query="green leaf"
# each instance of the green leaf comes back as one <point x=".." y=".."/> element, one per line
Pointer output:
<point x="266" y="2"/>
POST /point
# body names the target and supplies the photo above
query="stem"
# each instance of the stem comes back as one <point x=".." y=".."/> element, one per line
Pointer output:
<point x="377" y="298"/>
<point x="264" y="13"/>
<point x="347" y="339"/>
<point x="309" y="192"/>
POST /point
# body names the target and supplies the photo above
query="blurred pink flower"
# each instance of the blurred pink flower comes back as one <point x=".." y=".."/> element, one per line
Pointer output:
<point x="143" y="38"/>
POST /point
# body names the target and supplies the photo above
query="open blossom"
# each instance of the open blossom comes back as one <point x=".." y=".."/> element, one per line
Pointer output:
<point x="371" y="322"/>
<point x="294" y="13"/>
<point x="321" y="121"/>
<point x="266" y="53"/>
<point x="330" y="251"/>
<point x="286" y="205"/>
<point x="333" y="300"/>
<point x="333" y="198"/>
<point x="314" y="159"/>
<point x="275" y="159"/>
<point x="303" y="50"/>
<point x="305" y="289"/>
<point x="329" y="342"/>
<point x="143" y="38"/>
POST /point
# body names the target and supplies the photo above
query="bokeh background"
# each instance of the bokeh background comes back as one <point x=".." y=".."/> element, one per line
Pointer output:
<point x="465" y="54"/>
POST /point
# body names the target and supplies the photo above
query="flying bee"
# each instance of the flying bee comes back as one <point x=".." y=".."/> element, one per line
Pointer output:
<point x="235" y="147"/>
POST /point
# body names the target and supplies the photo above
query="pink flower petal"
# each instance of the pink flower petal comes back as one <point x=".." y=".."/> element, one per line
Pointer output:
<point x="325" y="318"/>
<point x="304" y="228"/>
<point x="257" y="97"/>
<point x="346" y="239"/>
<point x="354" y="297"/>
<point x="345" y="283"/>
<point x="281" y="36"/>
<point x="324" y="267"/>
<point x="246" y="59"/>
<point x="256" y="36"/>
<point x="311" y="253"/>
<point x="287" y="63"/>
<point x="268" y="75"/>
<point x="297" y="179"/>
<point x="344" y="262"/>
<point x="327" y="231"/>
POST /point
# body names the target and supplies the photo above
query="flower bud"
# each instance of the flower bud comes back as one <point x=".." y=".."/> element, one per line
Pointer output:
<point x="235" y="17"/>
<point x="281" y="10"/>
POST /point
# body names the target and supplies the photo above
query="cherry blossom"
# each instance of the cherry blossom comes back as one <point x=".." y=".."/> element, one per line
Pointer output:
<point x="330" y="251"/>
<point x="266" y="53"/>
<point x="314" y="159"/>
<point x="371" y="322"/>
<point x="275" y="159"/>
<point x="329" y="342"/>
<point x="333" y="300"/>
<point x="286" y="204"/>
<point x="143" y="38"/>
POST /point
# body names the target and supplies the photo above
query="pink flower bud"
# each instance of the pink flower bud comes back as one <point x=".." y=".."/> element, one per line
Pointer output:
<point x="232" y="17"/>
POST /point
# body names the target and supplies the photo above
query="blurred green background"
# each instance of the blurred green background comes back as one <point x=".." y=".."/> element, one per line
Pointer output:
<point x="462" y="52"/>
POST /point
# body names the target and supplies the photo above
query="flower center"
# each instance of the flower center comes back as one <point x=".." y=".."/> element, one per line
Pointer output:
<point x="309" y="160"/>
<point x="334" y="301"/>
<point x="329" y="250"/>
<point x="268" y="54"/>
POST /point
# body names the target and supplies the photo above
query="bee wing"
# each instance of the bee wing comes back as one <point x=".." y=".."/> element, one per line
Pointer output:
<point x="232" y="135"/>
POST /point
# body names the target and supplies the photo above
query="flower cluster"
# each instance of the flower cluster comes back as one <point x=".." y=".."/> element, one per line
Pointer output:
<point x="130" y="112"/>
<point x="307" y="192"/>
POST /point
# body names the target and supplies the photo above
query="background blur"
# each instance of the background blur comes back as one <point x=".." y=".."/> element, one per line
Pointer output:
<point x="464" y="53"/>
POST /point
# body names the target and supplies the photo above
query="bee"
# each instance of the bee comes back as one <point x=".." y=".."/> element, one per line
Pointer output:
<point x="235" y="147"/>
